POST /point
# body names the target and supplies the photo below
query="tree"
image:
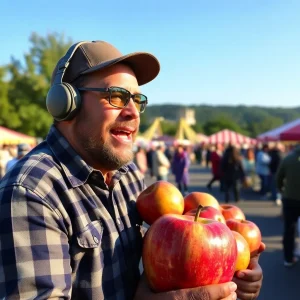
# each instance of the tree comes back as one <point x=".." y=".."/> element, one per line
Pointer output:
<point x="265" y="125"/>
<point x="30" y="82"/>
<point x="219" y="123"/>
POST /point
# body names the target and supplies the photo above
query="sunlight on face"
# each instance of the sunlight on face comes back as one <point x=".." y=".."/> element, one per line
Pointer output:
<point x="105" y="133"/>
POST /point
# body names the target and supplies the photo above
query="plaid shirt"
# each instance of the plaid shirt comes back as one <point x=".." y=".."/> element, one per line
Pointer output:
<point x="63" y="232"/>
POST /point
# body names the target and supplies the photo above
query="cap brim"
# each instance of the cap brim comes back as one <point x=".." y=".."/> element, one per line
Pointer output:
<point x="144" y="65"/>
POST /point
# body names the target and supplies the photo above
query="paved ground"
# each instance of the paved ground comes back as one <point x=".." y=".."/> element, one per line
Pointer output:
<point x="279" y="283"/>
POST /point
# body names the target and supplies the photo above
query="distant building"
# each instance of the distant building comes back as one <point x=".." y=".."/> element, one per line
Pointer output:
<point x="188" y="115"/>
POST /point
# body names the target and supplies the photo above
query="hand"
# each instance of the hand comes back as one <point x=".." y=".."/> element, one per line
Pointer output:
<point x="249" y="281"/>
<point x="224" y="291"/>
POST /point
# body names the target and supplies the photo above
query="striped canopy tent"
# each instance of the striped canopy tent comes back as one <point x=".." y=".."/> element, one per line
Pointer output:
<point x="227" y="136"/>
<point x="291" y="135"/>
<point x="274" y="134"/>
<point x="11" y="137"/>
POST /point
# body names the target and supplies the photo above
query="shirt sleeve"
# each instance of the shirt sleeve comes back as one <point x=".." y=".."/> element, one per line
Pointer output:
<point x="34" y="249"/>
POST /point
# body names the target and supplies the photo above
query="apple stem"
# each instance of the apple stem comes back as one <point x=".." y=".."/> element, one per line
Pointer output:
<point x="200" y="207"/>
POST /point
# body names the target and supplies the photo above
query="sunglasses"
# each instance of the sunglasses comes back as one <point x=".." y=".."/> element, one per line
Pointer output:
<point x="119" y="97"/>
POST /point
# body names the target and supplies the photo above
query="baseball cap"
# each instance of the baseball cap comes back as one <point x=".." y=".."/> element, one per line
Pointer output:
<point x="23" y="149"/>
<point x="96" y="55"/>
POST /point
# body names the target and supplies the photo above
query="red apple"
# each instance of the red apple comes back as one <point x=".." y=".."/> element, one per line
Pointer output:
<point x="249" y="231"/>
<point x="158" y="199"/>
<point x="243" y="257"/>
<point x="232" y="212"/>
<point x="185" y="252"/>
<point x="208" y="212"/>
<point x="194" y="199"/>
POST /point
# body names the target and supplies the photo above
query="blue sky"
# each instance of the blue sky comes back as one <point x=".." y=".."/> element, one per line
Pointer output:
<point x="215" y="52"/>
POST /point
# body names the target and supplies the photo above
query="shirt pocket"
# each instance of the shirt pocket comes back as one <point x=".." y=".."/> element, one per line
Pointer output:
<point x="91" y="235"/>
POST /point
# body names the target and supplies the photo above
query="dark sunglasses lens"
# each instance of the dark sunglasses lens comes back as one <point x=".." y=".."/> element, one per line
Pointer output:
<point x="119" y="97"/>
<point x="140" y="101"/>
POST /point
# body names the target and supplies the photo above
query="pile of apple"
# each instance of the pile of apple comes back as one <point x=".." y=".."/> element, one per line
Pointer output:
<point x="193" y="240"/>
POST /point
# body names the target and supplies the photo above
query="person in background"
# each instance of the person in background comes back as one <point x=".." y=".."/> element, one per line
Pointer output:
<point x="215" y="159"/>
<point x="163" y="164"/>
<point x="248" y="162"/>
<point x="5" y="157"/>
<point x="199" y="153"/>
<point x="141" y="160"/>
<point x="22" y="150"/>
<point x="287" y="180"/>
<point x="276" y="156"/>
<point x="180" y="169"/>
<point x="208" y="156"/>
<point x="152" y="160"/>
<point x="263" y="160"/>
<point x="232" y="172"/>
<point x="69" y="224"/>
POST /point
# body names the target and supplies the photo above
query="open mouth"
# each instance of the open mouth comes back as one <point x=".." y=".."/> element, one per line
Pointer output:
<point x="122" y="134"/>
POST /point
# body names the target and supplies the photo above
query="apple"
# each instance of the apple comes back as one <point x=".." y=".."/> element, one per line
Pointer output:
<point x="181" y="251"/>
<point x="243" y="256"/>
<point x="160" y="198"/>
<point x="208" y="212"/>
<point x="232" y="212"/>
<point x="192" y="200"/>
<point x="249" y="231"/>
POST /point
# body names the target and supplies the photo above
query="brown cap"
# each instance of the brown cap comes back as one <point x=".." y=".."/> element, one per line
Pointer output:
<point x="97" y="55"/>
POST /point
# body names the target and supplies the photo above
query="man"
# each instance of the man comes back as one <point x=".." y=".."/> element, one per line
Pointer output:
<point x="22" y="150"/>
<point x="263" y="160"/>
<point x="215" y="159"/>
<point x="275" y="155"/>
<point x="69" y="225"/>
<point x="288" y="184"/>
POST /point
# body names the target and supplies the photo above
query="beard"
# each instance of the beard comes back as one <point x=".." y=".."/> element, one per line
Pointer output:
<point x="102" y="153"/>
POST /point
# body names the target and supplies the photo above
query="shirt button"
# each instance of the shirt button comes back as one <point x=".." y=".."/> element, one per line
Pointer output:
<point x="96" y="240"/>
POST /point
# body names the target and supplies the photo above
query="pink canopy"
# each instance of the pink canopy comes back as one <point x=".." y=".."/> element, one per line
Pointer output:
<point x="274" y="134"/>
<point x="292" y="134"/>
<point x="227" y="136"/>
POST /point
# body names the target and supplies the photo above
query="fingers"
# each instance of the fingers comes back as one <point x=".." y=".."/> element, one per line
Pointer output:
<point x="254" y="273"/>
<point x="223" y="291"/>
<point x="247" y="287"/>
<point x="262" y="247"/>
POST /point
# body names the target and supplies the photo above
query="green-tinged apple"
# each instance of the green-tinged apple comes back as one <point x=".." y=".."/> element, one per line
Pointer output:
<point x="249" y="231"/>
<point x="243" y="257"/>
<point x="185" y="252"/>
<point x="231" y="211"/>
<point x="158" y="199"/>
<point x="208" y="212"/>
<point x="192" y="200"/>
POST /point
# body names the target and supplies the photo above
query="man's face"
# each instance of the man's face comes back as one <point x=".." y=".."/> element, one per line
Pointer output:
<point x="105" y="134"/>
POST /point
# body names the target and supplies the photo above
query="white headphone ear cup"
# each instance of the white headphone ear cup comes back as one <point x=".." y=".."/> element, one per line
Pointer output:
<point x="63" y="101"/>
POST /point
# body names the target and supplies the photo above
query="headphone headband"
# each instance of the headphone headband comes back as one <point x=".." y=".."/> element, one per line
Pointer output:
<point x="64" y="63"/>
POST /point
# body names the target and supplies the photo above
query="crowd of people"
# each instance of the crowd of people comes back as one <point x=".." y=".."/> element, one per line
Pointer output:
<point x="10" y="154"/>
<point x="252" y="167"/>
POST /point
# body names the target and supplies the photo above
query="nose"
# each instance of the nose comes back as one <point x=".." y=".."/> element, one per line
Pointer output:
<point x="131" y="110"/>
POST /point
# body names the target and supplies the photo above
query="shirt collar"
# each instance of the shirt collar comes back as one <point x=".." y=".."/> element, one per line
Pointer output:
<point x="75" y="168"/>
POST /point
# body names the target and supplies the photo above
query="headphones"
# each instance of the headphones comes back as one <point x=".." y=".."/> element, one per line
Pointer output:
<point x="63" y="100"/>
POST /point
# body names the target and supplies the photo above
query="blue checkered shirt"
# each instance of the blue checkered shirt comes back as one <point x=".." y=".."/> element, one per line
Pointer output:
<point x="64" y="233"/>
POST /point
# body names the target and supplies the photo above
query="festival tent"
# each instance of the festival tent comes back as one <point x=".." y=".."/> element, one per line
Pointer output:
<point x="292" y="134"/>
<point x="11" y="137"/>
<point x="274" y="134"/>
<point x="227" y="136"/>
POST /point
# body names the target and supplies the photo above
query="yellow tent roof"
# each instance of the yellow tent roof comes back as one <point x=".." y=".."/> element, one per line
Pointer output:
<point x="11" y="137"/>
